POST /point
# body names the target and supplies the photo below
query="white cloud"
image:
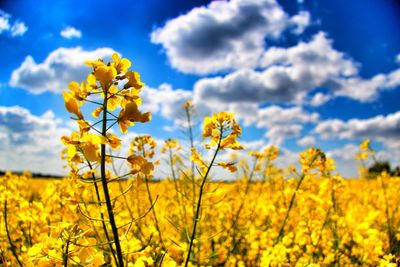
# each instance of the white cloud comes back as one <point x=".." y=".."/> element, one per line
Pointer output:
<point x="18" y="29"/>
<point x="165" y="100"/>
<point x="344" y="159"/>
<point x="288" y="75"/>
<point x="30" y="142"/>
<point x="224" y="35"/>
<point x="385" y="129"/>
<point x="319" y="99"/>
<point x="279" y="123"/>
<point x="306" y="141"/>
<point x="278" y="133"/>
<point x="71" y="32"/>
<point x="398" y="58"/>
<point x="347" y="152"/>
<point x="59" y="68"/>
<point x="275" y="115"/>
<point x="300" y="21"/>
<point x="361" y="89"/>
<point x="4" y="22"/>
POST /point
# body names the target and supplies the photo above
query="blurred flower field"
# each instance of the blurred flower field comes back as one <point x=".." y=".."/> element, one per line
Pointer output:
<point x="332" y="221"/>
<point x="268" y="216"/>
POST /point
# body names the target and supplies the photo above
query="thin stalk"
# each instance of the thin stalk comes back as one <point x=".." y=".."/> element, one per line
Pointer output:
<point x="65" y="254"/>
<point x="153" y="211"/>
<point x="261" y="190"/>
<point x="237" y="215"/>
<point x="193" y="177"/>
<point x="390" y="232"/>
<point x="191" y="139"/>
<point x="178" y="197"/>
<point x="126" y="201"/>
<point x="291" y="203"/>
<point x="12" y="246"/>
<point x="114" y="228"/>
<point x="335" y="226"/>
<point x="151" y="200"/>
<point x="197" y="217"/>
<point x="101" y="213"/>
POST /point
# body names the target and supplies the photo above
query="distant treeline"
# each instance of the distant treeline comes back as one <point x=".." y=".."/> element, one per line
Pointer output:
<point x="35" y="175"/>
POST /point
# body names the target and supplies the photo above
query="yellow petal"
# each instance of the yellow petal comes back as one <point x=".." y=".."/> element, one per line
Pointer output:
<point x="71" y="104"/>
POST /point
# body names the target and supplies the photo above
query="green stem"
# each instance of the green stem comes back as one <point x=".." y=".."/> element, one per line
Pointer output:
<point x="101" y="213"/>
<point x="12" y="246"/>
<point x="197" y="215"/>
<point x="291" y="203"/>
<point x="65" y="254"/>
<point x="390" y="232"/>
<point x="114" y="228"/>
<point x="151" y="200"/>
<point x="178" y="197"/>
<point x="126" y="201"/>
<point x="153" y="211"/>
<point x="189" y="120"/>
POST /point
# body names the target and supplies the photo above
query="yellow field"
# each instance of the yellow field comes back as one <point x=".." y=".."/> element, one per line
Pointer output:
<point x="96" y="216"/>
<point x="332" y="221"/>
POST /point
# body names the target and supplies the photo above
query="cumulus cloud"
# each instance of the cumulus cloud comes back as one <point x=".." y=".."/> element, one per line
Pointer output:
<point x="319" y="99"/>
<point x="288" y="75"/>
<point x="275" y="115"/>
<point x="4" y="21"/>
<point x="278" y="122"/>
<point x="59" y="68"/>
<point x="17" y="28"/>
<point x="306" y="141"/>
<point x="30" y="142"/>
<point x="281" y="123"/>
<point x="165" y="100"/>
<point x="279" y="133"/>
<point x="300" y="21"/>
<point x="71" y="32"/>
<point x="365" y="90"/>
<point x="385" y="129"/>
<point x="224" y="35"/>
<point x="347" y="152"/>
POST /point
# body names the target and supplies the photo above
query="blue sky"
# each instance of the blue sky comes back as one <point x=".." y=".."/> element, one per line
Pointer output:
<point x="295" y="73"/>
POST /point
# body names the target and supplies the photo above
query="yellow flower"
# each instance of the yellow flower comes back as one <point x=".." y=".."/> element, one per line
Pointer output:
<point x="140" y="165"/>
<point x="90" y="146"/>
<point x="71" y="104"/>
<point x="365" y="144"/>
<point x="271" y="152"/>
<point x="133" y="80"/>
<point x="170" y="144"/>
<point x="230" y="166"/>
<point x="223" y="130"/>
<point x="84" y="126"/>
<point x="131" y="114"/>
<point x="113" y="99"/>
<point x="121" y="65"/>
<point x="196" y="158"/>
<point x="105" y="75"/>
<point x="188" y="105"/>
<point x="114" y="141"/>
<point x="96" y="112"/>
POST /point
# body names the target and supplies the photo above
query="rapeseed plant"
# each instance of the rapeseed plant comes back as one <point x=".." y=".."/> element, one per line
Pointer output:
<point x="269" y="216"/>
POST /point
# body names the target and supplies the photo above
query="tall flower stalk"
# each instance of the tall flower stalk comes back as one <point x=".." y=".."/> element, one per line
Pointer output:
<point x="223" y="131"/>
<point x="111" y="86"/>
